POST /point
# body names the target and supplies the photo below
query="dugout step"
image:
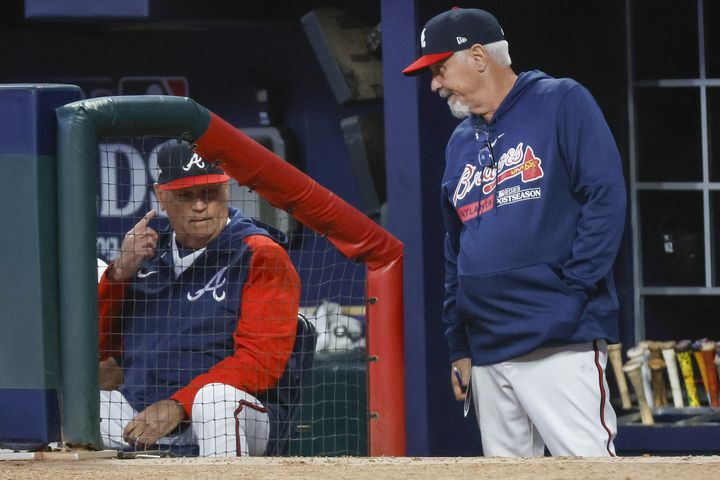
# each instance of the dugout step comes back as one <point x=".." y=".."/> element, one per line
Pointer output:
<point x="58" y="455"/>
<point x="677" y="432"/>
<point x="674" y="416"/>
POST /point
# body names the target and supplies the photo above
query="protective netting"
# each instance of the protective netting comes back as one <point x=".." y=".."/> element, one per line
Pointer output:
<point x="254" y="326"/>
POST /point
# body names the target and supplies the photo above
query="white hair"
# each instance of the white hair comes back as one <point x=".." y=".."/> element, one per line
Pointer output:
<point x="499" y="51"/>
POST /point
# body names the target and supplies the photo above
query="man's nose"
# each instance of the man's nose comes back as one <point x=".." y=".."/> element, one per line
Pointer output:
<point x="199" y="204"/>
<point x="435" y="84"/>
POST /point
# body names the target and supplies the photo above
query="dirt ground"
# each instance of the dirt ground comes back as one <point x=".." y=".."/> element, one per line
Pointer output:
<point x="631" y="468"/>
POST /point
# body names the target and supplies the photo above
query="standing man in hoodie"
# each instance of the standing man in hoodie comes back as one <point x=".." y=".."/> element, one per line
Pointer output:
<point x="533" y="201"/>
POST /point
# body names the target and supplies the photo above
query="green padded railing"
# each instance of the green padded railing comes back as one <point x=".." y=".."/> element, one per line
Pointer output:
<point x="80" y="124"/>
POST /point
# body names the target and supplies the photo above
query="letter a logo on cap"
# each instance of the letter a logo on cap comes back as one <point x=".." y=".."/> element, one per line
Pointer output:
<point x="422" y="38"/>
<point x="195" y="160"/>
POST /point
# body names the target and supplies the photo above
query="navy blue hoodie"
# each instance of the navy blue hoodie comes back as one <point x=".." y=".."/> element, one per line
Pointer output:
<point x="180" y="333"/>
<point x="530" y="244"/>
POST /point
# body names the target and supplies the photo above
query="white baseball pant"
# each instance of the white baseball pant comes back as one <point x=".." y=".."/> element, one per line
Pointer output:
<point x="226" y="422"/>
<point x="554" y="397"/>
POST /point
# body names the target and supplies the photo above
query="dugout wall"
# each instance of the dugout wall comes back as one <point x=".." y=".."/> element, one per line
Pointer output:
<point x="29" y="372"/>
<point x="81" y="124"/>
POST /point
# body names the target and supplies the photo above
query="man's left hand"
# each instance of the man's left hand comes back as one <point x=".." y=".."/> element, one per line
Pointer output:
<point x="111" y="375"/>
<point x="154" y="422"/>
<point x="464" y="367"/>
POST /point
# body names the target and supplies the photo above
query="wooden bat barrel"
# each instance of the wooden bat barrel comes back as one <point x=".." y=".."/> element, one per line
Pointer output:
<point x="633" y="370"/>
<point x="684" y="356"/>
<point x="615" y="355"/>
<point x="707" y="350"/>
<point x="673" y="377"/>
<point x="657" y="381"/>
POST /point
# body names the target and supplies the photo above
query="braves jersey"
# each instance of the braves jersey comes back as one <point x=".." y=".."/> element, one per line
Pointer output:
<point x="534" y="207"/>
<point x="230" y="317"/>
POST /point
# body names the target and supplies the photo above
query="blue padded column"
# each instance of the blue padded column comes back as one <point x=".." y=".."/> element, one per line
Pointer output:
<point x="417" y="128"/>
<point x="406" y="207"/>
<point x="29" y="370"/>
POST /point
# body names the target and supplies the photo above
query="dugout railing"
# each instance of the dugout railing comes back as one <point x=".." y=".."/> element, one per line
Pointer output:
<point x="80" y="126"/>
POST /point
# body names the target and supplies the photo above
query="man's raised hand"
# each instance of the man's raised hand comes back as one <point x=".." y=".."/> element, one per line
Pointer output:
<point x="138" y="245"/>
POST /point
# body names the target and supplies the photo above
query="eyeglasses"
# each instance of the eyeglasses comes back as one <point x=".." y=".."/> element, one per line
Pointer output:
<point x="208" y="194"/>
<point x="486" y="156"/>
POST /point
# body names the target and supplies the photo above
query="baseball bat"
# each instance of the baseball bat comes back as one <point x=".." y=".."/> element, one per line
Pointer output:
<point x="717" y="362"/>
<point x="717" y="358"/>
<point x="696" y="346"/>
<point x="641" y="353"/>
<point x="707" y="350"/>
<point x="657" y="381"/>
<point x="657" y="376"/>
<point x="615" y="355"/>
<point x="655" y="349"/>
<point x="672" y="370"/>
<point x="684" y="356"/>
<point x="633" y="369"/>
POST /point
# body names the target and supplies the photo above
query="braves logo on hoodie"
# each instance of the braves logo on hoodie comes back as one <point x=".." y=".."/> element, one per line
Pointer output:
<point x="517" y="161"/>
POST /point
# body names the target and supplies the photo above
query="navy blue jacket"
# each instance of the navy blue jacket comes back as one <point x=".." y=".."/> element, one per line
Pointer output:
<point x="530" y="244"/>
<point x="230" y="317"/>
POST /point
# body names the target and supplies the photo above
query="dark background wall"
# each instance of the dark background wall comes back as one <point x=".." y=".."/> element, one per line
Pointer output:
<point x="227" y="53"/>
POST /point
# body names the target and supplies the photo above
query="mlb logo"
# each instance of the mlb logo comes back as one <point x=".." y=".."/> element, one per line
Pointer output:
<point x="177" y="86"/>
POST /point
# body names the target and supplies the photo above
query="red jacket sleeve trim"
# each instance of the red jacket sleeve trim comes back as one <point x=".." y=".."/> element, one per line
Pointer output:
<point x="265" y="332"/>
<point x="110" y="299"/>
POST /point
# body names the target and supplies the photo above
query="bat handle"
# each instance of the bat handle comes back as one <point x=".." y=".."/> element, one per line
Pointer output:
<point x="685" y="361"/>
<point x="640" y="353"/>
<point x="633" y="370"/>
<point x="657" y="369"/>
<point x="703" y="372"/>
<point x="672" y="370"/>
<point x="712" y="376"/>
<point x="615" y="356"/>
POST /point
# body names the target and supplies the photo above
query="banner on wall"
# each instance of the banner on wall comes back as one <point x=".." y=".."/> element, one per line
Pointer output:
<point x="93" y="87"/>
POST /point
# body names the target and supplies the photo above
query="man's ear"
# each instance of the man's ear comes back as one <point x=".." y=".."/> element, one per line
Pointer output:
<point x="160" y="194"/>
<point x="479" y="56"/>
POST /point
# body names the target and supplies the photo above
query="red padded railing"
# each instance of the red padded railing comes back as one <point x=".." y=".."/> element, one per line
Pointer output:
<point x="358" y="238"/>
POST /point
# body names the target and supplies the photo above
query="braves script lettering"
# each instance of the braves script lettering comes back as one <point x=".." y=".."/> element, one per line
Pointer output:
<point x="516" y="161"/>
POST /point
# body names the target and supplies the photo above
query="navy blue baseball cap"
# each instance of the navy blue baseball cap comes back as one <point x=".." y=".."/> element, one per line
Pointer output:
<point x="454" y="30"/>
<point x="180" y="167"/>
